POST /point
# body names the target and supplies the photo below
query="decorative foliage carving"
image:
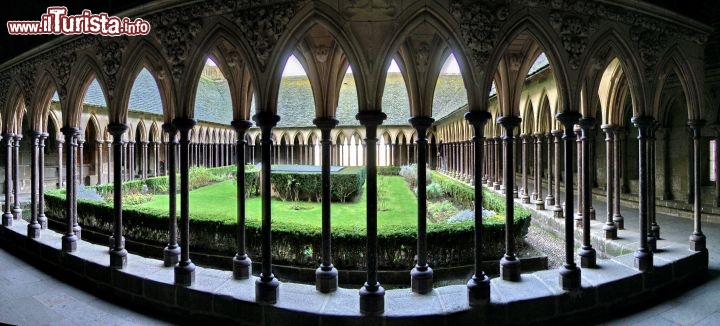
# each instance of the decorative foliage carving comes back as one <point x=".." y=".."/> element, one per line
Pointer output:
<point x="62" y="66"/>
<point x="321" y="53"/>
<point x="422" y="56"/>
<point x="649" y="45"/>
<point x="110" y="52"/>
<point x="574" y="32"/>
<point x="4" y="85"/>
<point x="479" y="25"/>
<point x="263" y="27"/>
<point x="175" y="30"/>
<point x="26" y="74"/>
<point x="370" y="9"/>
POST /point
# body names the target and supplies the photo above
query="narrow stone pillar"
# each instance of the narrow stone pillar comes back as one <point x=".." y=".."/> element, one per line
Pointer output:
<point x="100" y="161"/>
<point x="118" y="254"/>
<point x="8" y="216"/>
<point x="33" y="228"/>
<point x="539" y="200"/>
<point x="697" y="239"/>
<point x="144" y="160"/>
<point x="579" y="214"/>
<point x="421" y="276"/>
<point x="326" y="275"/>
<point x="644" y="255"/>
<point x="588" y="256"/>
<point x="81" y="159"/>
<point x="266" y="287"/>
<point x="498" y="177"/>
<point x="569" y="273"/>
<point x="503" y="167"/>
<point x="131" y="160"/>
<point x="654" y="226"/>
<point x="69" y="239"/>
<point x="17" y="211"/>
<point x="156" y="155"/>
<point x="77" y="230"/>
<point x="372" y="295"/>
<point x="557" y="209"/>
<point x="60" y="145"/>
<point x="42" y="218"/>
<point x="110" y="161"/>
<point x="524" y="198"/>
<point x="242" y="265"/>
<point x="171" y="252"/>
<point x="550" y="199"/>
<point x="185" y="269"/>
<point x="509" y="263"/>
<point x="617" y="215"/>
<point x="610" y="229"/>
<point x="479" y="284"/>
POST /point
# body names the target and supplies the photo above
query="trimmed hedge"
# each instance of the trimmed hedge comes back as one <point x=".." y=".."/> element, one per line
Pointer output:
<point x="345" y="184"/>
<point x="388" y="170"/>
<point x="449" y="244"/>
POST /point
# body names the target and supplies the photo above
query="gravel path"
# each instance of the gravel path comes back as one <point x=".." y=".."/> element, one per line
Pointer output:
<point x="547" y="243"/>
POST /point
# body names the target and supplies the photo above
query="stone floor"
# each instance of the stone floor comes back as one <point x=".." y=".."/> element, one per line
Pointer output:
<point x="29" y="296"/>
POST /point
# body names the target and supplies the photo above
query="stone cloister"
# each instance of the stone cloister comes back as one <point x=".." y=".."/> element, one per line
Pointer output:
<point x="621" y="110"/>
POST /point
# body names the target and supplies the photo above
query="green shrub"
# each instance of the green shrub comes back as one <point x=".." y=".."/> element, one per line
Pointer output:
<point x="345" y="184"/>
<point x="441" y="211"/>
<point x="388" y="170"/>
<point x="434" y="191"/>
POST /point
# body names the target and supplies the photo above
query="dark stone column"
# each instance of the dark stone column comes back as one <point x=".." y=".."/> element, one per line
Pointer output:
<point x="588" y="256"/>
<point x="504" y="166"/>
<point x="479" y="284"/>
<point x="8" y="216"/>
<point x="171" y="252"/>
<point x="421" y="277"/>
<point x="550" y="199"/>
<point x="69" y="240"/>
<point x="42" y="219"/>
<point x="654" y="226"/>
<point x="557" y="210"/>
<point x="144" y="160"/>
<point x="617" y="215"/>
<point x="610" y="228"/>
<point x="110" y="161"/>
<point x="697" y="239"/>
<point x="118" y="254"/>
<point x="242" y="265"/>
<point x="498" y="177"/>
<point x="131" y="159"/>
<point x="99" y="161"/>
<point x="579" y="214"/>
<point x="539" y="200"/>
<point x="524" y="198"/>
<point x="81" y="159"/>
<point x="372" y="295"/>
<point x="156" y="155"/>
<point x="17" y="211"/>
<point x="266" y="287"/>
<point x="77" y="230"/>
<point x="33" y="228"/>
<point x="60" y="145"/>
<point x="569" y="273"/>
<point x="644" y="255"/>
<point x="185" y="269"/>
<point x="509" y="264"/>
<point x="326" y="276"/>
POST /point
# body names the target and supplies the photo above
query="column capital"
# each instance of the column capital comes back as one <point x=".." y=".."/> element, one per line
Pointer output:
<point x="265" y="119"/>
<point x="241" y="125"/>
<point x="371" y="118"/>
<point x="509" y="122"/>
<point x="539" y="135"/>
<point x="325" y="123"/>
<point x="8" y="135"/>
<point x="557" y="133"/>
<point x="169" y="127"/>
<point x="422" y="122"/>
<point x="17" y="137"/>
<point x="478" y="118"/>
<point x="609" y="127"/>
<point x="696" y="123"/>
<point x="645" y="122"/>
<point x="184" y="124"/>
<point x="70" y="131"/>
<point x="117" y="129"/>
<point x="99" y="142"/>
<point x="34" y="134"/>
<point x="568" y="118"/>
<point x="586" y="125"/>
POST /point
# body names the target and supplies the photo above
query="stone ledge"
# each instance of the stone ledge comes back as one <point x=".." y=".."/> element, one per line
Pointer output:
<point x="217" y="296"/>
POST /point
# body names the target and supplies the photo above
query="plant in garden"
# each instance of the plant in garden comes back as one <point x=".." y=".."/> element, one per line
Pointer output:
<point x="441" y="211"/>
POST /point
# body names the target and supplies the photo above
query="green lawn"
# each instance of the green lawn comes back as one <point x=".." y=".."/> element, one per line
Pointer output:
<point x="218" y="202"/>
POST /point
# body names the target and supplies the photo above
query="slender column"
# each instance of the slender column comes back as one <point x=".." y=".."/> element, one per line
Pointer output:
<point x="498" y="181"/>
<point x="479" y="284"/>
<point x="539" y="200"/>
<point x="509" y="263"/>
<point x="242" y="265"/>
<point x="171" y="252"/>
<point x="81" y="160"/>
<point x="579" y="214"/>
<point x="588" y="256"/>
<point x="156" y="155"/>
<point x="266" y="287"/>
<point x="617" y="215"/>
<point x="610" y="228"/>
<point x="569" y="273"/>
<point x="372" y="295"/>
<point x="130" y="160"/>
<point x="110" y="161"/>
<point x="69" y="240"/>
<point x="550" y="199"/>
<point x="503" y="166"/>
<point x="654" y="226"/>
<point x="8" y="216"/>
<point x="77" y="230"/>
<point x="144" y="160"/>
<point x="557" y="209"/>
<point x="17" y="211"/>
<point x="99" y="161"/>
<point x="524" y="198"/>
<point x="33" y="228"/>
<point x="644" y="255"/>
<point x="185" y="269"/>
<point x="42" y="219"/>
<point x="697" y="239"/>
<point x="716" y="154"/>
<point x="60" y="145"/>
<point x="118" y="254"/>
<point x="326" y="276"/>
<point x="421" y="276"/>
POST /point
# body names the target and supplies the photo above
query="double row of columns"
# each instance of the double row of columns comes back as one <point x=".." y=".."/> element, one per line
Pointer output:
<point x="211" y="154"/>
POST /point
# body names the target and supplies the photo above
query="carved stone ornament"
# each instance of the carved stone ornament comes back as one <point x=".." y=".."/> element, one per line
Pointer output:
<point x="62" y="66"/>
<point x="26" y="74"/>
<point x="479" y="25"/>
<point x="422" y="56"/>
<point x="176" y="30"/>
<point x="370" y="10"/>
<point x="263" y="27"/>
<point x="321" y="53"/>
<point x="574" y="32"/>
<point x="650" y="45"/>
<point x="4" y="85"/>
<point x="109" y="51"/>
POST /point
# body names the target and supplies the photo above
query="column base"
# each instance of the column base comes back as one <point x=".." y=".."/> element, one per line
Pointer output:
<point x="652" y="242"/>
<point x="619" y="222"/>
<point x="185" y="273"/>
<point x="118" y="258"/>
<point x="171" y="255"/>
<point x="525" y="199"/>
<point x="111" y="242"/>
<point x="592" y="213"/>
<point x="421" y="279"/>
<point x="69" y="243"/>
<point x="7" y="219"/>
<point x="697" y="242"/>
<point x="478" y="290"/>
<point x="570" y="277"/>
<point x="78" y="231"/>
<point x="242" y="267"/>
<point x="33" y="230"/>
<point x="266" y="291"/>
<point x="588" y="257"/>
<point x="515" y="193"/>
<point x="372" y="300"/>
<point x="326" y="279"/>
<point x="43" y="220"/>
<point x="558" y="212"/>
<point x="643" y="260"/>
<point x="610" y="231"/>
<point x="539" y="204"/>
<point x="496" y="186"/>
<point x="17" y="213"/>
<point x="578" y="220"/>
<point x="510" y="268"/>
<point x="655" y="229"/>
<point x="549" y="201"/>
